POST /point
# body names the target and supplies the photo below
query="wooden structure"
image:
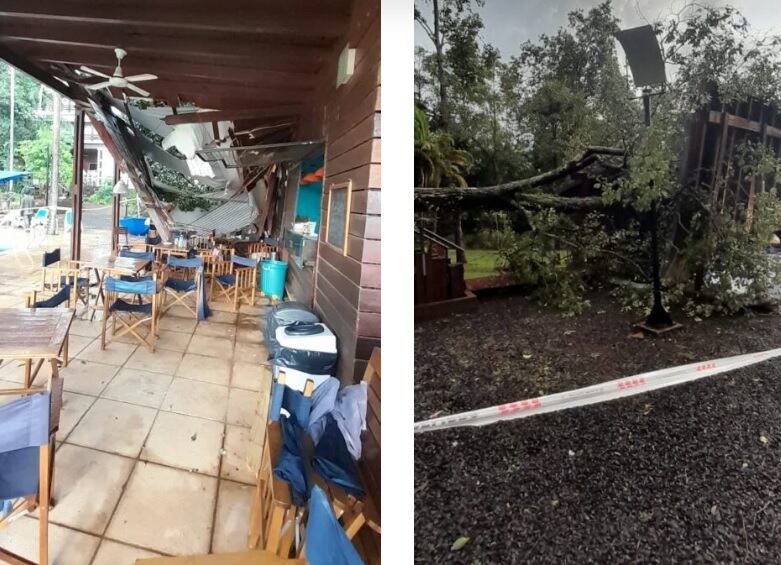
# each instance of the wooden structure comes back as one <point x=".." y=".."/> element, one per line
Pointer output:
<point x="710" y="158"/>
<point x="440" y="288"/>
<point x="34" y="334"/>
<point x="256" y="63"/>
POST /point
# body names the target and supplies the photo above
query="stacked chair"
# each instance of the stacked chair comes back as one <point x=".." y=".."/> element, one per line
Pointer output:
<point x="235" y="279"/>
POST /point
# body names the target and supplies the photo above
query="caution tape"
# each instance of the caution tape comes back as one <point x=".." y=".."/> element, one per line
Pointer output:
<point x="594" y="394"/>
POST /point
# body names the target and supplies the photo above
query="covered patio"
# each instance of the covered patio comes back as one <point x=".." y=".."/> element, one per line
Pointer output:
<point x="260" y="131"/>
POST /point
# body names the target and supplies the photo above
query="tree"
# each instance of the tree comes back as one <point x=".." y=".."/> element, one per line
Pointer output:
<point x="26" y="122"/>
<point x="437" y="161"/>
<point x="35" y="155"/>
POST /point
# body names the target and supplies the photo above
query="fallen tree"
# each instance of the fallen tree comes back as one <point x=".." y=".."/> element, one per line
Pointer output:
<point x="546" y="189"/>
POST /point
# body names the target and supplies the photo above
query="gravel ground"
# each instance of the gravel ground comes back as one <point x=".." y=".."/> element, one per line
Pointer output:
<point x="687" y="474"/>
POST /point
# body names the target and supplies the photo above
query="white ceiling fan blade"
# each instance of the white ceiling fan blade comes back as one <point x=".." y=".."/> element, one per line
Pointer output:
<point x="93" y="72"/>
<point x="139" y="78"/>
<point x="140" y="91"/>
<point x="98" y="85"/>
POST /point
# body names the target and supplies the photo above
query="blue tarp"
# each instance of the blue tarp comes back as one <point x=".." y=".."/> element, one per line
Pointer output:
<point x="6" y="176"/>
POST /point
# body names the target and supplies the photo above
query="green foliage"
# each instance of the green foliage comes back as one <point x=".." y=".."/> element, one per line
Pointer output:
<point x="103" y="195"/>
<point x="184" y="191"/>
<point x="556" y="118"/>
<point x="437" y="161"/>
<point x="551" y="270"/>
<point x="35" y="156"/>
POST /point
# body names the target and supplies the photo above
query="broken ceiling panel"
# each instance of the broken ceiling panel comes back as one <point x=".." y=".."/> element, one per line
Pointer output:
<point x="261" y="155"/>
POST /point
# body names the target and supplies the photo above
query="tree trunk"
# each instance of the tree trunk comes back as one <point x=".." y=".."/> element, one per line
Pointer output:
<point x="54" y="179"/>
<point x="444" y="110"/>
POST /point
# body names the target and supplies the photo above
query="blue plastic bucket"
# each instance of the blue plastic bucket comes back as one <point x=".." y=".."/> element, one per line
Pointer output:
<point x="272" y="278"/>
<point x="134" y="225"/>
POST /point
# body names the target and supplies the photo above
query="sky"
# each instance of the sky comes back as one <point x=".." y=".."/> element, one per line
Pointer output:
<point x="508" y="23"/>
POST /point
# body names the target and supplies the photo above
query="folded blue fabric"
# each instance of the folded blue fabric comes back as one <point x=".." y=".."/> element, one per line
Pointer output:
<point x="333" y="462"/>
<point x="290" y="465"/>
<point x="326" y="542"/>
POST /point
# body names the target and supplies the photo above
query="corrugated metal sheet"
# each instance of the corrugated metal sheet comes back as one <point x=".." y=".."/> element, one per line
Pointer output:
<point x="260" y="155"/>
<point x="230" y="216"/>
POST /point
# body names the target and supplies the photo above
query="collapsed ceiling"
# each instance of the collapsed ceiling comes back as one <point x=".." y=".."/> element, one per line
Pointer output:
<point x="225" y="78"/>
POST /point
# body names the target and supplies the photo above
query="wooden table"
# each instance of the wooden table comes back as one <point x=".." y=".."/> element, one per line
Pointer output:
<point x="130" y="266"/>
<point x="162" y="250"/>
<point x="29" y="334"/>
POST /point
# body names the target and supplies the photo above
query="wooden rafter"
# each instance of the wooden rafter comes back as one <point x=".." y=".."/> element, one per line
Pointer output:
<point x="270" y="113"/>
<point x="329" y="17"/>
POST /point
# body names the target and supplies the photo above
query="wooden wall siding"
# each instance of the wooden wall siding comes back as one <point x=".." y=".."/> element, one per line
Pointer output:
<point x="347" y="287"/>
<point x="300" y="282"/>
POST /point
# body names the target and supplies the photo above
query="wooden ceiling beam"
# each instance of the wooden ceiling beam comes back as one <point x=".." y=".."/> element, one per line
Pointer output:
<point x="278" y="113"/>
<point x="328" y="17"/>
<point x="239" y="51"/>
<point x="28" y="67"/>
<point x="171" y="67"/>
<point x="206" y="94"/>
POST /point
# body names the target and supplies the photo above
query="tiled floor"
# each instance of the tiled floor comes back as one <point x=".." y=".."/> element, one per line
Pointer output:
<point x="153" y="449"/>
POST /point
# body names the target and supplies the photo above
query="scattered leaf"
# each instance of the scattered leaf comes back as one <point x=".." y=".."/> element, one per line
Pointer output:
<point x="646" y="516"/>
<point x="459" y="543"/>
<point x="763" y="440"/>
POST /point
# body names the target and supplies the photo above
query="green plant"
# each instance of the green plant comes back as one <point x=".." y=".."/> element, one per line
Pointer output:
<point x="103" y="195"/>
<point x="544" y="264"/>
<point x="437" y="161"/>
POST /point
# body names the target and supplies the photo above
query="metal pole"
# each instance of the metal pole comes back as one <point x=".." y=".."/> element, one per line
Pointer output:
<point x="76" y="194"/>
<point x="658" y="317"/>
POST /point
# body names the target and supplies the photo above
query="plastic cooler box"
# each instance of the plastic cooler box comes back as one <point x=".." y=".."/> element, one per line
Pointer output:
<point x="314" y="354"/>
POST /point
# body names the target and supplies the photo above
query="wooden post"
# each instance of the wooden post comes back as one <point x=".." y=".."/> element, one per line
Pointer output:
<point x="76" y="193"/>
<point x="115" y="212"/>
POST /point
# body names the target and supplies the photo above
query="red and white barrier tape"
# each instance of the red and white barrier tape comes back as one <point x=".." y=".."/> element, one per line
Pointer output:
<point x="602" y="392"/>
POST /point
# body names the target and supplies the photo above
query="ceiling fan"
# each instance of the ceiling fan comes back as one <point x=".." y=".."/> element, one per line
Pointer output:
<point x="117" y="80"/>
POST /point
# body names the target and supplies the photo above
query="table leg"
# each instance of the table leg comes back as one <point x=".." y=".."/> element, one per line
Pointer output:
<point x="28" y="365"/>
<point x="99" y="295"/>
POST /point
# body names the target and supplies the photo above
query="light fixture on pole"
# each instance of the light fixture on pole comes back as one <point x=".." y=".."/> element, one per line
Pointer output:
<point x="120" y="187"/>
<point x="644" y="57"/>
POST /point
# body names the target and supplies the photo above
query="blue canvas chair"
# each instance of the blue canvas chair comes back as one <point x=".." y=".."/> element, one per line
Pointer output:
<point x="132" y="316"/>
<point x="56" y="273"/>
<point x="187" y="288"/>
<point x="28" y="426"/>
<point x="235" y="279"/>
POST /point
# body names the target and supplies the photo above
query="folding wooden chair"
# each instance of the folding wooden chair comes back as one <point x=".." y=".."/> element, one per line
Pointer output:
<point x="262" y="249"/>
<point x="28" y="426"/>
<point x="185" y="290"/>
<point x="273" y="516"/>
<point x="132" y="316"/>
<point x="56" y="273"/>
<point x="236" y="281"/>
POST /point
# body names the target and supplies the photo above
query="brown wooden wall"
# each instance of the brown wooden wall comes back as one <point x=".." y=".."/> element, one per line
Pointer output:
<point x="347" y="287"/>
